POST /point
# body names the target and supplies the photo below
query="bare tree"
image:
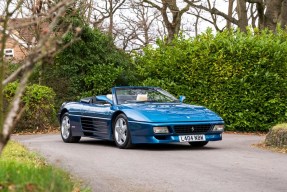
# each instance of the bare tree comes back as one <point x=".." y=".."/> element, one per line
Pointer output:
<point x="173" y="22"/>
<point x="197" y="13"/>
<point x="214" y="11"/>
<point x="86" y="8"/>
<point x="201" y="16"/>
<point x="262" y="14"/>
<point x="138" y="28"/>
<point x="48" y="44"/>
<point x="213" y="17"/>
<point x="106" y="10"/>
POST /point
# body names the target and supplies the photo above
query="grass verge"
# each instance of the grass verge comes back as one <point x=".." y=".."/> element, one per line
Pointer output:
<point x="22" y="170"/>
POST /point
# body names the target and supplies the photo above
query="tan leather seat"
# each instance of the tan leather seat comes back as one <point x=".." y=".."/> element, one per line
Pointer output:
<point x="142" y="97"/>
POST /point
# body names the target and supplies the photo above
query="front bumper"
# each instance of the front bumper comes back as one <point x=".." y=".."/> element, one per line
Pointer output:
<point x="143" y="132"/>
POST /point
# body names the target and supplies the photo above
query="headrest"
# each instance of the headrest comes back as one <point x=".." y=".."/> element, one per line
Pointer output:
<point x="109" y="96"/>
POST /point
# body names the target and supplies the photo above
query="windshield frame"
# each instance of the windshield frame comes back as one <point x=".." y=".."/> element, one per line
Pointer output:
<point x="148" y="89"/>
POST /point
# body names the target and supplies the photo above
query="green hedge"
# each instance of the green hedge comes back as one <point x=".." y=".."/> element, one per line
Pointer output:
<point x="39" y="112"/>
<point x="243" y="77"/>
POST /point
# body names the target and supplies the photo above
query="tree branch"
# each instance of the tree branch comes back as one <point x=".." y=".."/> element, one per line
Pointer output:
<point x="254" y="1"/>
<point x="47" y="45"/>
<point x="213" y="11"/>
<point x="153" y="4"/>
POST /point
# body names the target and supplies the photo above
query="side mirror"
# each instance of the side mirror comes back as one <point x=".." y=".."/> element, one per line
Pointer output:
<point x="181" y="98"/>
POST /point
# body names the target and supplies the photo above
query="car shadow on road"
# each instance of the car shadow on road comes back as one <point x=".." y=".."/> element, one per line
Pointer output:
<point x="103" y="143"/>
<point x="150" y="147"/>
<point x="170" y="147"/>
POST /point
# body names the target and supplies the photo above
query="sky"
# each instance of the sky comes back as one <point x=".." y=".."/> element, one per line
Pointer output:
<point x="188" y="20"/>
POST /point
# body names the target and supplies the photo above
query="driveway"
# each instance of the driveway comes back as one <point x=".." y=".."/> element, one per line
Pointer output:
<point x="232" y="164"/>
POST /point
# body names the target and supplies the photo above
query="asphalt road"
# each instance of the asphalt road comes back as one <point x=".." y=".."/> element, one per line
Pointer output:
<point x="230" y="165"/>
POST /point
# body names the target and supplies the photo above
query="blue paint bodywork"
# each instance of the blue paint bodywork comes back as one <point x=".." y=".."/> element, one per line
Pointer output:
<point x="95" y="119"/>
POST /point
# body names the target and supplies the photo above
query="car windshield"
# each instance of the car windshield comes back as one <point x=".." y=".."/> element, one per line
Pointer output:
<point x="143" y="95"/>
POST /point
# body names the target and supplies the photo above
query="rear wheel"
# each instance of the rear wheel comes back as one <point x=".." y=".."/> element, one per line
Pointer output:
<point x="198" y="143"/>
<point x="121" y="132"/>
<point x="66" y="131"/>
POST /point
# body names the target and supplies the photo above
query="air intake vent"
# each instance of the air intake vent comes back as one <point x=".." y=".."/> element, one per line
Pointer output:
<point x="91" y="124"/>
<point x="87" y="124"/>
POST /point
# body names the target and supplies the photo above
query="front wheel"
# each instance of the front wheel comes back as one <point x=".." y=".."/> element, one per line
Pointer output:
<point x="66" y="131"/>
<point x="121" y="132"/>
<point x="198" y="143"/>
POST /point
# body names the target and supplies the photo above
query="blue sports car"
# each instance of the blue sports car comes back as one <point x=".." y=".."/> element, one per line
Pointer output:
<point x="133" y="115"/>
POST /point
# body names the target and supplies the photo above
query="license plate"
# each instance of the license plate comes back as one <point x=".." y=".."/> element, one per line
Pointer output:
<point x="191" y="138"/>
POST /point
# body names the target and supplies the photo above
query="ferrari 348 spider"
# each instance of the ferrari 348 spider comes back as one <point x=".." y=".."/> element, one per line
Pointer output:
<point x="134" y="115"/>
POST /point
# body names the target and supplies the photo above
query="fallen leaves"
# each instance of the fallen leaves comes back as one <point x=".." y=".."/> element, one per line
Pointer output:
<point x="271" y="148"/>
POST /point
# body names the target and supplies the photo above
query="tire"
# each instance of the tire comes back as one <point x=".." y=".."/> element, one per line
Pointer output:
<point x="121" y="132"/>
<point x="66" y="132"/>
<point x="198" y="143"/>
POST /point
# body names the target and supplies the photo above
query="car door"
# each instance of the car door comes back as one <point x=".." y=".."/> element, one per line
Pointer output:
<point x="96" y="120"/>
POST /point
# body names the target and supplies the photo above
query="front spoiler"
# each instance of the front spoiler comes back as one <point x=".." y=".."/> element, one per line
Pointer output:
<point x="171" y="138"/>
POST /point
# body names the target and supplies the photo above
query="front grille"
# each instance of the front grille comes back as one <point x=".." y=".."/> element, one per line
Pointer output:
<point x="187" y="129"/>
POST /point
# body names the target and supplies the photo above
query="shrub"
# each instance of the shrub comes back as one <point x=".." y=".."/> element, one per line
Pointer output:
<point x="39" y="112"/>
<point x="277" y="136"/>
<point x="240" y="76"/>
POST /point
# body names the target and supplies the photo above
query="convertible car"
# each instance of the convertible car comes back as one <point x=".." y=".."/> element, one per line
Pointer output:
<point x="134" y="115"/>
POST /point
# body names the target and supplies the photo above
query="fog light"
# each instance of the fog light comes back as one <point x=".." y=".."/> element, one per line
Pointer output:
<point x="218" y="128"/>
<point x="160" y="130"/>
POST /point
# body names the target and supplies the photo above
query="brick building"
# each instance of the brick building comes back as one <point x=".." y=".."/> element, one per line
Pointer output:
<point x="20" y="39"/>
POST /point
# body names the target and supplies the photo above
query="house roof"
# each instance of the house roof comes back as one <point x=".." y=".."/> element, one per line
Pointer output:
<point x="23" y="31"/>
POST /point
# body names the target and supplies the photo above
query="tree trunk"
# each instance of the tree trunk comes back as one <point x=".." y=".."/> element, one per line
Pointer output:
<point x="273" y="10"/>
<point x="90" y="7"/>
<point x="196" y="26"/>
<point x="170" y="35"/>
<point x="174" y="26"/>
<point x="2" y="72"/>
<point x="1" y="147"/>
<point x="230" y="9"/>
<point x="260" y="10"/>
<point x="3" y="143"/>
<point x="283" y="17"/>
<point x="111" y="17"/>
<point x="242" y="15"/>
<point x="146" y="31"/>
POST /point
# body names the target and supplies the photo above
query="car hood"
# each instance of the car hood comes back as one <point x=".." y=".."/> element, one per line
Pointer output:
<point x="168" y="113"/>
